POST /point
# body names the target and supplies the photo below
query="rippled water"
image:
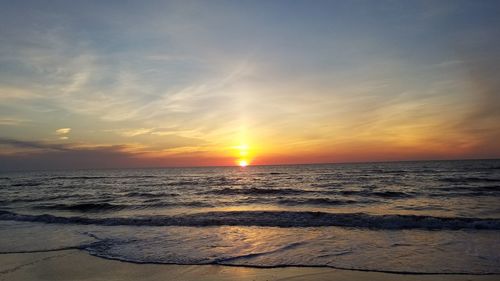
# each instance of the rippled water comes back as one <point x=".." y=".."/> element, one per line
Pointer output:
<point x="426" y="217"/>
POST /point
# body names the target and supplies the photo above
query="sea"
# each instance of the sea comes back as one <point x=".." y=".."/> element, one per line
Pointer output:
<point x="426" y="217"/>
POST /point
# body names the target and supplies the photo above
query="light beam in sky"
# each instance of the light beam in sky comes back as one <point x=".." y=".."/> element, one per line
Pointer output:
<point x="243" y="154"/>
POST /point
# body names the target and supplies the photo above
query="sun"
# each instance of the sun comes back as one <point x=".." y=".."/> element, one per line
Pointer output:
<point x="243" y="163"/>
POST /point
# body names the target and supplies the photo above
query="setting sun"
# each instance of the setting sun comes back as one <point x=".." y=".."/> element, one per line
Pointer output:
<point x="243" y="163"/>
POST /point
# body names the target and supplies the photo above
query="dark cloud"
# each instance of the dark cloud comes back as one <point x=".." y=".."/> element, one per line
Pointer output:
<point x="62" y="156"/>
<point x="33" y="144"/>
<point x="45" y="156"/>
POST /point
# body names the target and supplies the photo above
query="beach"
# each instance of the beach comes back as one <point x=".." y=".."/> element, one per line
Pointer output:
<point x="77" y="265"/>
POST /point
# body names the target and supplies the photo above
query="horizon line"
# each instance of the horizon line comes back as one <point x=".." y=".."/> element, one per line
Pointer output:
<point x="250" y="165"/>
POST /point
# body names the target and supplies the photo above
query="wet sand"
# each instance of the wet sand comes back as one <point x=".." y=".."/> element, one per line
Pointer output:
<point x="78" y="265"/>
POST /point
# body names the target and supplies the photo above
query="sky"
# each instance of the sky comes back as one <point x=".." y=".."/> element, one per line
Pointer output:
<point x="113" y="84"/>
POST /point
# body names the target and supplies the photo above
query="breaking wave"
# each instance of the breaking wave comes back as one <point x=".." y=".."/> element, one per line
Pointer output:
<point x="276" y="219"/>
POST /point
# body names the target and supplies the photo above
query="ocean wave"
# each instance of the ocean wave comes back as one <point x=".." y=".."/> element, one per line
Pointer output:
<point x="467" y="190"/>
<point x="276" y="219"/>
<point x="270" y="173"/>
<point x="150" y="194"/>
<point x="391" y="194"/>
<point x="470" y="180"/>
<point x="460" y="194"/>
<point x="383" y="194"/>
<point x="39" y="199"/>
<point x="488" y="188"/>
<point x="79" y="177"/>
<point x="327" y="184"/>
<point x="100" y="177"/>
<point x="254" y="190"/>
<point x="382" y="171"/>
<point x="82" y="207"/>
<point x="25" y="184"/>
<point x="103" y="207"/>
<point x="181" y="183"/>
<point x="315" y="201"/>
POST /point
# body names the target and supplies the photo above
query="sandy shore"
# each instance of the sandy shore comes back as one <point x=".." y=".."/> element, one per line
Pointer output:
<point x="78" y="265"/>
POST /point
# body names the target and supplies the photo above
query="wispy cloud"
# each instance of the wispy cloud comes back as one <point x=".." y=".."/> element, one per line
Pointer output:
<point x="8" y="121"/>
<point x="136" y="132"/>
<point x="63" y="131"/>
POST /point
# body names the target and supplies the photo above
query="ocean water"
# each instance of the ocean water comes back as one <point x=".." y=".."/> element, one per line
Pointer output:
<point x="410" y="217"/>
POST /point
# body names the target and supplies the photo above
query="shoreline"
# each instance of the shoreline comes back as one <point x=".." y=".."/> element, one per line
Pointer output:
<point x="72" y="264"/>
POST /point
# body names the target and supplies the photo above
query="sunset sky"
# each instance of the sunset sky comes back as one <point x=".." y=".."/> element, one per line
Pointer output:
<point x="188" y="83"/>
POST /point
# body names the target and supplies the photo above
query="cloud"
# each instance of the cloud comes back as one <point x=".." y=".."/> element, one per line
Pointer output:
<point x="136" y="132"/>
<point x="36" y="155"/>
<point x="7" y="121"/>
<point x="10" y="94"/>
<point x="63" y="131"/>
<point x="50" y="156"/>
<point x="64" y="158"/>
<point x="34" y="144"/>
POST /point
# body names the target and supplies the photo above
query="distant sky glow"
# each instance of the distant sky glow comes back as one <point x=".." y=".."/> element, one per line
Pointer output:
<point x="107" y="84"/>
